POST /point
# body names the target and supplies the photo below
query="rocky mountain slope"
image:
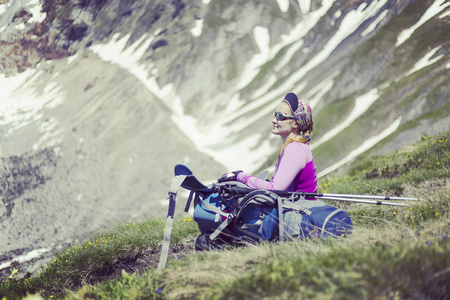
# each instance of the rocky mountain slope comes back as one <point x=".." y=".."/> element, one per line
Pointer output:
<point x="100" y="99"/>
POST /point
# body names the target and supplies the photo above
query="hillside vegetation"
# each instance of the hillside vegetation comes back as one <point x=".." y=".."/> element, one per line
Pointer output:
<point x="393" y="253"/>
<point x="100" y="99"/>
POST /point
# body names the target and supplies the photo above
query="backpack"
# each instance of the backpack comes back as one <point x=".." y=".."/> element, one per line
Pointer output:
<point x="238" y="214"/>
<point x="231" y="214"/>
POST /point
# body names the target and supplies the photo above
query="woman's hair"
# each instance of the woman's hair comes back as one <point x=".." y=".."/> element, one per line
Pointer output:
<point x="301" y="138"/>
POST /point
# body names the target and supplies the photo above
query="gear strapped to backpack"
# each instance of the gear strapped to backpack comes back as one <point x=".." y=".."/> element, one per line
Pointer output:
<point x="236" y="213"/>
<point x="232" y="213"/>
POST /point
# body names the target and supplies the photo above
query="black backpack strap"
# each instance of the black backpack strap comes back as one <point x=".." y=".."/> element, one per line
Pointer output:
<point x="192" y="194"/>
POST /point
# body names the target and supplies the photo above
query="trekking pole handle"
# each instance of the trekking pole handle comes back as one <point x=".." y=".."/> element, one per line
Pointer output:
<point x="232" y="189"/>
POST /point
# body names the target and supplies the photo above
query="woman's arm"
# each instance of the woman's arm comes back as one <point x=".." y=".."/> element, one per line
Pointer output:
<point x="292" y="161"/>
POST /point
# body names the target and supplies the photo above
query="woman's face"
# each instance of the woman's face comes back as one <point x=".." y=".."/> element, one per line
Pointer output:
<point x="286" y="127"/>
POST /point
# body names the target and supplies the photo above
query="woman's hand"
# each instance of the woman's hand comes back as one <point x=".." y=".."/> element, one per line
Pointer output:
<point x="232" y="176"/>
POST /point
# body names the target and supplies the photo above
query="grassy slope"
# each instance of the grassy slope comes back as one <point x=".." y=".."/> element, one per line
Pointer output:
<point x="395" y="252"/>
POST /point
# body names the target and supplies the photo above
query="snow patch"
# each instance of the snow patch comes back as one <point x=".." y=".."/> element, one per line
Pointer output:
<point x="26" y="257"/>
<point x="446" y="14"/>
<point x="265" y="87"/>
<point x="21" y="106"/>
<point x="5" y="6"/>
<point x="233" y="104"/>
<point x="425" y="61"/>
<point x="212" y="140"/>
<point x="35" y="8"/>
<point x="288" y="55"/>
<point x="51" y="86"/>
<point x="362" y="104"/>
<point x="375" y="23"/>
<point x="258" y="114"/>
<point x="70" y="59"/>
<point x="50" y="134"/>
<point x="251" y="70"/>
<point x="283" y="4"/>
<point x="336" y="16"/>
<point x="305" y="6"/>
<point x="20" y="27"/>
<point x="198" y="28"/>
<point x="366" y="145"/>
<point x="237" y="157"/>
<point x="128" y="58"/>
<point x="13" y="100"/>
<point x="433" y="10"/>
<point x="315" y="94"/>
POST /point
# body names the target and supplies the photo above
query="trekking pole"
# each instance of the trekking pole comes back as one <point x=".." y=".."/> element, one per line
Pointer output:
<point x="333" y="197"/>
<point x="371" y="197"/>
<point x="378" y="202"/>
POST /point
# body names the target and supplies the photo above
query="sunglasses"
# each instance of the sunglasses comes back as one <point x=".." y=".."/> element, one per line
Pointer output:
<point x="281" y="117"/>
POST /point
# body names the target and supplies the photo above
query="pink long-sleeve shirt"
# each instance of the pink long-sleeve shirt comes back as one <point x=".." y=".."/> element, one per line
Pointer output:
<point x="295" y="171"/>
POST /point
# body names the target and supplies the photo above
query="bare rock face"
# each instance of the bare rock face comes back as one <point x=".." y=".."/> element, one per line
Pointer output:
<point x="24" y="44"/>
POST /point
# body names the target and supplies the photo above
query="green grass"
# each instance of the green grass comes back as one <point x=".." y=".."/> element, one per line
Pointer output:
<point x="394" y="252"/>
<point x="96" y="258"/>
<point x="349" y="274"/>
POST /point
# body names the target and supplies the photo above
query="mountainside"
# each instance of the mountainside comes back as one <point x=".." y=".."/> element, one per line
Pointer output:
<point x="100" y="99"/>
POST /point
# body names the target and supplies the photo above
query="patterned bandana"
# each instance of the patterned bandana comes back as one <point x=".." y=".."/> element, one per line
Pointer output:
<point x="301" y="111"/>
